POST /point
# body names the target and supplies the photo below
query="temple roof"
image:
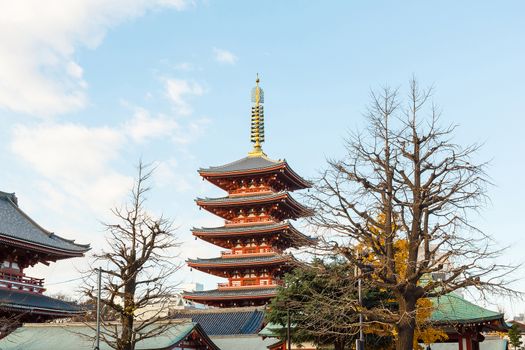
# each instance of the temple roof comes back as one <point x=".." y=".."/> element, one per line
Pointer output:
<point x="255" y="165"/>
<point x="37" y="303"/>
<point x="79" y="336"/>
<point x="246" y="320"/>
<point x="226" y="232"/>
<point x="244" y="342"/>
<point x="240" y="293"/>
<point x="246" y="163"/>
<point x="268" y="197"/>
<point x="242" y="260"/>
<point x="452" y="308"/>
<point x="284" y="197"/>
<point x="17" y="228"/>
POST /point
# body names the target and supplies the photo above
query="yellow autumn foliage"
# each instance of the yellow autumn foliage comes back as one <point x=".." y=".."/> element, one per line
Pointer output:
<point x="424" y="331"/>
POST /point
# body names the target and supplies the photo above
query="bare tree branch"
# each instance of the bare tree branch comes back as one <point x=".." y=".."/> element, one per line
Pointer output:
<point x="136" y="270"/>
<point x="407" y="171"/>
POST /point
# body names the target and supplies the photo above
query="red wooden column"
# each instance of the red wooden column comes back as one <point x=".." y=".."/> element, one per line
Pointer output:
<point x="469" y="341"/>
<point x="460" y="342"/>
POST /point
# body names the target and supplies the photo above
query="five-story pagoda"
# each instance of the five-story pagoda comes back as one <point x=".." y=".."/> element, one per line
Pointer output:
<point x="257" y="229"/>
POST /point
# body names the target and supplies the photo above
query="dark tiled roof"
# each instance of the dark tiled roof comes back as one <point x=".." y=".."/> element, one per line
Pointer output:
<point x="247" y="163"/>
<point x="36" y="303"/>
<point x="257" y="165"/>
<point x="297" y="207"/>
<point x="245" y="199"/>
<point x="268" y="259"/>
<point x="234" y="293"/>
<point x="225" y="235"/>
<point x="218" y="322"/>
<point x="17" y="225"/>
<point x="228" y="229"/>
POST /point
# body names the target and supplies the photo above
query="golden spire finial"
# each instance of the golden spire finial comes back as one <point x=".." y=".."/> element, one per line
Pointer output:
<point x="257" y="132"/>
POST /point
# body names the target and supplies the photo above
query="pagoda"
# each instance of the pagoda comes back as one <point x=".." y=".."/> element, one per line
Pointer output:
<point x="257" y="229"/>
<point x="24" y="243"/>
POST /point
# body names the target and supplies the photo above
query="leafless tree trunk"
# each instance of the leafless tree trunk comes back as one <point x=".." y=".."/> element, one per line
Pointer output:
<point x="406" y="170"/>
<point x="136" y="269"/>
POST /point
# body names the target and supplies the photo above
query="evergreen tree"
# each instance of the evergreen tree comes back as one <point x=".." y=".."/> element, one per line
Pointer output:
<point x="515" y="336"/>
<point x="308" y="300"/>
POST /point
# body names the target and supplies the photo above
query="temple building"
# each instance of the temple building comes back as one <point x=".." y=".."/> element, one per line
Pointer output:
<point x="465" y="324"/>
<point x="24" y="243"/>
<point x="183" y="335"/>
<point x="257" y="229"/>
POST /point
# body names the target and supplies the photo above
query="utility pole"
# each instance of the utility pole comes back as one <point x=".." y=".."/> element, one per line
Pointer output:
<point x="99" y="283"/>
<point x="359" y="343"/>
<point x="288" y="338"/>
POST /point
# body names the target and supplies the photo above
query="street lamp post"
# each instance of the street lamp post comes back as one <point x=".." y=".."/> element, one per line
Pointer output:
<point x="288" y="338"/>
<point x="99" y="283"/>
<point x="359" y="343"/>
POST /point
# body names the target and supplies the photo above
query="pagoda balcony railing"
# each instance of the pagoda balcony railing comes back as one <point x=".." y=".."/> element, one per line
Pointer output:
<point x="21" y="282"/>
<point x="249" y="191"/>
<point x="264" y="221"/>
<point x="226" y="285"/>
<point x="250" y="220"/>
<point x="229" y="254"/>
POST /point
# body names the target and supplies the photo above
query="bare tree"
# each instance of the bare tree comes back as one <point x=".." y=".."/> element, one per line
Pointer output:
<point x="136" y="268"/>
<point x="404" y="179"/>
<point x="9" y="322"/>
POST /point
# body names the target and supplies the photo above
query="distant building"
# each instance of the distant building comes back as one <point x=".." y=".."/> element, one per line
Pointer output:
<point x="177" y="302"/>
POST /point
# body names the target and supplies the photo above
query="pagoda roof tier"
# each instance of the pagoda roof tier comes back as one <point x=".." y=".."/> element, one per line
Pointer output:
<point x="18" y="229"/>
<point x="288" y="207"/>
<point x="37" y="304"/>
<point x="221" y="235"/>
<point x="217" y="266"/>
<point x="208" y="296"/>
<point x="255" y="166"/>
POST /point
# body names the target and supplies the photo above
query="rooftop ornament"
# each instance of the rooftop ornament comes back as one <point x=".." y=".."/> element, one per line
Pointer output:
<point x="257" y="127"/>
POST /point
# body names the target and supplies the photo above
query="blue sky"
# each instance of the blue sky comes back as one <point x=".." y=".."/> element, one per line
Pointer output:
<point x="89" y="87"/>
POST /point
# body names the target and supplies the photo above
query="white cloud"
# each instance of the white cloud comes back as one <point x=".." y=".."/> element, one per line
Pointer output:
<point x="78" y="166"/>
<point x="224" y="56"/>
<point x="184" y="66"/>
<point x="167" y="173"/>
<point x="191" y="131"/>
<point x="75" y="160"/>
<point x="53" y="148"/>
<point x="143" y="126"/>
<point x="179" y="90"/>
<point x="38" y="40"/>
<point x="180" y="5"/>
